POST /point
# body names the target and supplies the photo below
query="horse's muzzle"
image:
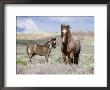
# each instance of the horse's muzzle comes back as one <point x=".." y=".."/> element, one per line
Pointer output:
<point x="54" y="47"/>
<point x="64" y="39"/>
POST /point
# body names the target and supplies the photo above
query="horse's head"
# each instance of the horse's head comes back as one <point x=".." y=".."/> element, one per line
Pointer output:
<point x="54" y="43"/>
<point x="64" y="32"/>
<point x="51" y="43"/>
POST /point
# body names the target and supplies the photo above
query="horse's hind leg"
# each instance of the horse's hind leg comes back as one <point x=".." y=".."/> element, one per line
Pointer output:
<point x="76" y="58"/>
<point x="30" y="57"/>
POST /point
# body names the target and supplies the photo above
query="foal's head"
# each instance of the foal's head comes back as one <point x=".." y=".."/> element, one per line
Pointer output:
<point x="51" y="43"/>
<point x="64" y="32"/>
<point x="54" y="43"/>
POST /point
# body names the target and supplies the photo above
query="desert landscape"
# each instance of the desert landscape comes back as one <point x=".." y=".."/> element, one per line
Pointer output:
<point x="55" y="65"/>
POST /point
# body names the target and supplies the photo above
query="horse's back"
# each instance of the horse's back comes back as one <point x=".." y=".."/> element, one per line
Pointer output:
<point x="41" y="50"/>
<point x="77" y="46"/>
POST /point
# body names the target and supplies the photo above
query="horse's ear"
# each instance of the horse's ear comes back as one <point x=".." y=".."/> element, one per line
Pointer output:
<point x="61" y="25"/>
<point x="68" y="26"/>
<point x="53" y="38"/>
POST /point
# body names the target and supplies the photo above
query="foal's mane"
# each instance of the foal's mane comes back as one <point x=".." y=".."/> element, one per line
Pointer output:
<point x="47" y="42"/>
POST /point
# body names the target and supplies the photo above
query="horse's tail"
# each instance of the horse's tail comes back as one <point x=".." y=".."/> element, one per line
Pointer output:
<point x="27" y="49"/>
<point x="80" y="45"/>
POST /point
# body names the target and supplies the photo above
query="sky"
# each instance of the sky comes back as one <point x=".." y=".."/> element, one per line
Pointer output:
<point x="28" y="24"/>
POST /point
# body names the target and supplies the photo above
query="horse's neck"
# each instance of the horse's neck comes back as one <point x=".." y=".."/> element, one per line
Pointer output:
<point x="69" y="37"/>
<point x="49" y="44"/>
<point x="65" y="46"/>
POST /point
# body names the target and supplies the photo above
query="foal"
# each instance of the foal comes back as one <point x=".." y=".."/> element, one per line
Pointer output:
<point x="70" y="45"/>
<point x="41" y="50"/>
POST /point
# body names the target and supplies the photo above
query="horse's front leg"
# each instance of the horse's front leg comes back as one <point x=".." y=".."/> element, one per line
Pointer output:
<point x="64" y="58"/>
<point x="70" y="57"/>
<point x="46" y="58"/>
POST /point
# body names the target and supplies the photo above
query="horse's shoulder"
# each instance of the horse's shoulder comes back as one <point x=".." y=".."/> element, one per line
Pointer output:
<point x="30" y="46"/>
<point x="75" y="39"/>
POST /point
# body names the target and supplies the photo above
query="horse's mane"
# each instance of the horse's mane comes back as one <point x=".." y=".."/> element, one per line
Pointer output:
<point x="69" y="36"/>
<point x="47" y="42"/>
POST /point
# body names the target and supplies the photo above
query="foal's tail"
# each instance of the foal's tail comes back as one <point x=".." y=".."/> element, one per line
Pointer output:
<point x="27" y="49"/>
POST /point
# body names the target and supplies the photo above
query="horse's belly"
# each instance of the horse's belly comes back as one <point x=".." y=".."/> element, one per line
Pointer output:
<point x="41" y="52"/>
<point x="74" y="47"/>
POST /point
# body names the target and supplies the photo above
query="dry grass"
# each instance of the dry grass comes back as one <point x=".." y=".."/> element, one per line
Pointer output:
<point x="55" y="64"/>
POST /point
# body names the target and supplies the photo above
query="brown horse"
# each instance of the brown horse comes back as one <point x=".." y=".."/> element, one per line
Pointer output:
<point x="41" y="50"/>
<point x="70" y="45"/>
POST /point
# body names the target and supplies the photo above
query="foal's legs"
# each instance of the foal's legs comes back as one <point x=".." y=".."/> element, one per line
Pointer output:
<point x="30" y="57"/>
<point x="46" y="58"/>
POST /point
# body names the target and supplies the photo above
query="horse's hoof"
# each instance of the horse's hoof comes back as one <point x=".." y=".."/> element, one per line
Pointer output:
<point x="30" y="62"/>
<point x="70" y="64"/>
<point x="65" y="63"/>
<point x="76" y="63"/>
<point x="46" y="62"/>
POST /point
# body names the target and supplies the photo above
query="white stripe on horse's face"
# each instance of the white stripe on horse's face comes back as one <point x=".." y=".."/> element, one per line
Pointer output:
<point x="64" y="30"/>
<point x="54" y="41"/>
<point x="63" y="39"/>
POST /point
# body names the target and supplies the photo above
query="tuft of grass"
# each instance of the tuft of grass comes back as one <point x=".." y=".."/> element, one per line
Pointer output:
<point x="21" y="62"/>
